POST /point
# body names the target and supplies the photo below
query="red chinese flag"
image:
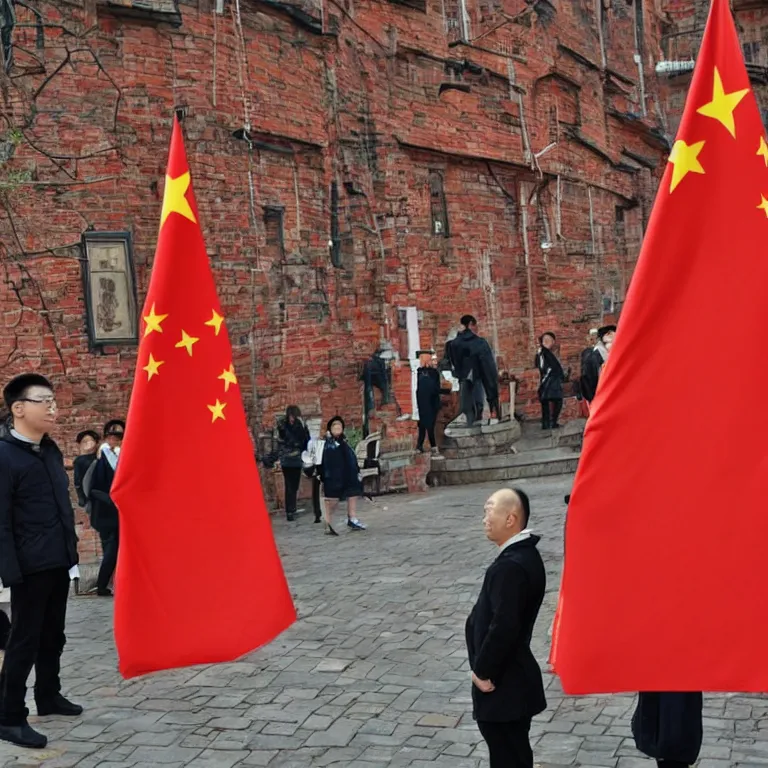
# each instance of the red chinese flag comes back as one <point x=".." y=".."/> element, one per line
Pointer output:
<point x="665" y="584"/>
<point x="198" y="578"/>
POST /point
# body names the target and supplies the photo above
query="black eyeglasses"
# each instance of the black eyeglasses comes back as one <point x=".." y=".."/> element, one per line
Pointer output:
<point x="49" y="401"/>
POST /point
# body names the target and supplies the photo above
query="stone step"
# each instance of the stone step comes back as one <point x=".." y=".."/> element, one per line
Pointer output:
<point x="483" y="469"/>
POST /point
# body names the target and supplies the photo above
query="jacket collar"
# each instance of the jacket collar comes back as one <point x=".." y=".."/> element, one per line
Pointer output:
<point x="529" y="541"/>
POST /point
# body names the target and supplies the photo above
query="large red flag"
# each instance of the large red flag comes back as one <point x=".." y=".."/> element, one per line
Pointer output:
<point x="199" y="579"/>
<point x="665" y="585"/>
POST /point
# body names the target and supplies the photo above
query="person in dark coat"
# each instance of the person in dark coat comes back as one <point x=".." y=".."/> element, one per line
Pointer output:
<point x="551" y="381"/>
<point x="88" y="442"/>
<point x="474" y="365"/>
<point x="340" y="476"/>
<point x="428" y="402"/>
<point x="668" y="727"/>
<point x="38" y="547"/>
<point x="292" y="441"/>
<point x="592" y="365"/>
<point x="507" y="687"/>
<point x="104" y="514"/>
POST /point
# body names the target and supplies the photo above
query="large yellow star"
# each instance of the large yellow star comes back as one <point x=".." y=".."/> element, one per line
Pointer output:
<point x="763" y="205"/>
<point x="216" y="321"/>
<point x="722" y="105"/>
<point x="217" y="411"/>
<point x="153" y="321"/>
<point x="174" y="198"/>
<point x="187" y="342"/>
<point x="762" y="150"/>
<point x="685" y="159"/>
<point x="152" y="367"/>
<point x="228" y="377"/>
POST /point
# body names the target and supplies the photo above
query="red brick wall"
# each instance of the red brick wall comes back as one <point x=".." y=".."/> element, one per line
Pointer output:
<point x="85" y="142"/>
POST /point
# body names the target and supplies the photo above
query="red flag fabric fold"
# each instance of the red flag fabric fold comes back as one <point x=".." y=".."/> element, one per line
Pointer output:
<point x="198" y="579"/>
<point x="664" y="583"/>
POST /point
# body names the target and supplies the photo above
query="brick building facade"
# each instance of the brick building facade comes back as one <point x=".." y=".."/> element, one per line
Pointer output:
<point x="366" y="171"/>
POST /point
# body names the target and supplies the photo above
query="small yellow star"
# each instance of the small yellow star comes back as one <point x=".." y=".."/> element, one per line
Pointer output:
<point x="187" y="342"/>
<point x="153" y="321"/>
<point x="174" y="198"/>
<point x="763" y="205"/>
<point x="229" y="377"/>
<point x="152" y="367"/>
<point x="722" y="105"/>
<point x="762" y="150"/>
<point x="685" y="159"/>
<point x="217" y="411"/>
<point x="216" y="321"/>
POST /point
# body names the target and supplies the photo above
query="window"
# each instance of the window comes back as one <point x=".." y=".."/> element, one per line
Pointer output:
<point x="437" y="204"/>
<point x="273" y="227"/>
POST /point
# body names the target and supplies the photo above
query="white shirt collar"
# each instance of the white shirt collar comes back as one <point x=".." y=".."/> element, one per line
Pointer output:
<point x="526" y="534"/>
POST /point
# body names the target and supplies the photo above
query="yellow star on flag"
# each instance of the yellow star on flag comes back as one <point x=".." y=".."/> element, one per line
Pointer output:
<point x="217" y="411"/>
<point x="152" y="367"/>
<point x="229" y="377"/>
<point x="763" y="205"/>
<point x="685" y="159"/>
<point x="187" y="342"/>
<point x="174" y="199"/>
<point x="722" y="105"/>
<point x="216" y="321"/>
<point x="153" y="321"/>
<point x="762" y="150"/>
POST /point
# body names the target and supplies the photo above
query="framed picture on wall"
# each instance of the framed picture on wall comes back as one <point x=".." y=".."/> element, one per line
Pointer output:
<point x="110" y="289"/>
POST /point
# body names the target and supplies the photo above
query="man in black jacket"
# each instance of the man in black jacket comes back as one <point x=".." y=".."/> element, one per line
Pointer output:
<point x="38" y="546"/>
<point x="88" y="442"/>
<point x="104" y="515"/>
<point x="474" y="365"/>
<point x="507" y="689"/>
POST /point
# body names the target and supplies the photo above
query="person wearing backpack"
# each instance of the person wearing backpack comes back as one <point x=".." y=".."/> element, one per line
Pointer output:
<point x="103" y="512"/>
<point x="88" y="442"/>
<point x="38" y="547"/>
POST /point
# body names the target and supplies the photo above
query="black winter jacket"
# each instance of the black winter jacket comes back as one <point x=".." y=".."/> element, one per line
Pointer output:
<point x="498" y="634"/>
<point x="37" y="523"/>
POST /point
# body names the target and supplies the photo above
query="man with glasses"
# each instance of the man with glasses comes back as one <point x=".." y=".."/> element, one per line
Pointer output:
<point x="38" y="546"/>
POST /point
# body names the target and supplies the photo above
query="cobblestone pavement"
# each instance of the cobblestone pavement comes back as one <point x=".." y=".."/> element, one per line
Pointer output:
<point x="374" y="673"/>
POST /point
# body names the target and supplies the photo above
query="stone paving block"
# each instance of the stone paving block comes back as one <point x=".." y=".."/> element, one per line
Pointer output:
<point x="163" y="755"/>
<point x="439" y="721"/>
<point x="339" y="734"/>
<point x="211" y="758"/>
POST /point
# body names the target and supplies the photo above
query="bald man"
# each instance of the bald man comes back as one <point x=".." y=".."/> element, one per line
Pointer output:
<point x="507" y="689"/>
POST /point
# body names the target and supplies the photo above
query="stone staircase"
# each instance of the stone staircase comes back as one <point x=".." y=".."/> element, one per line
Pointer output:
<point x="490" y="453"/>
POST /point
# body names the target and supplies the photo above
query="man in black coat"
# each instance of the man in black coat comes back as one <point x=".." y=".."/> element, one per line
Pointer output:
<point x="428" y="402"/>
<point x="88" y="442"/>
<point x="507" y="688"/>
<point x="38" y="547"/>
<point x="552" y="376"/>
<point x="104" y="515"/>
<point x="669" y="727"/>
<point x="592" y="365"/>
<point x="474" y="365"/>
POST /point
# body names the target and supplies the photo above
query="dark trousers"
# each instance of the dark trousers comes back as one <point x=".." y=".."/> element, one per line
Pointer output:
<point x="38" y="615"/>
<point x="426" y="428"/>
<point x="292" y="477"/>
<point x="471" y="400"/>
<point x="508" y="743"/>
<point x="671" y="764"/>
<point x="550" y="412"/>
<point x="316" y="508"/>
<point x="110" y="542"/>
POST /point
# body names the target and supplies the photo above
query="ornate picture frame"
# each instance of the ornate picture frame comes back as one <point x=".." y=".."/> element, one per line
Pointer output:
<point x="109" y="280"/>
